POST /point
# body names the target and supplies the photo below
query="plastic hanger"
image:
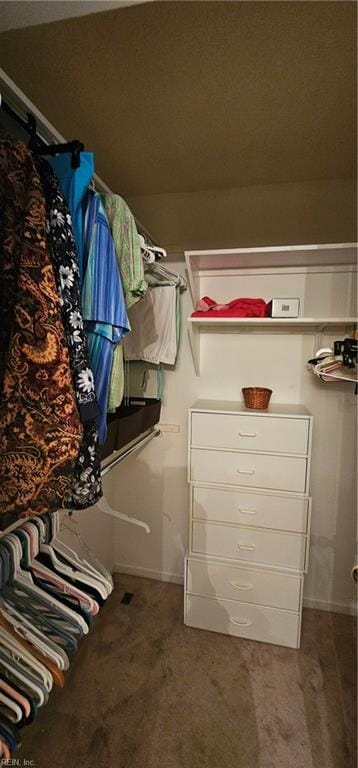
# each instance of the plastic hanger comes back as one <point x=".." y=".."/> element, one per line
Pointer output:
<point x="97" y="570"/>
<point x="53" y="668"/>
<point x="12" y="597"/>
<point x="25" y="695"/>
<point x="164" y="276"/>
<point x="81" y="565"/>
<point x="73" y="574"/>
<point x="58" y="634"/>
<point x="103" y="505"/>
<point x="89" y="563"/>
<point x="40" y="694"/>
<point x="11" y="731"/>
<point x="26" y="630"/>
<point x="7" y="733"/>
<point x="42" y="570"/>
<point x="59" y="580"/>
<point x="24" y="579"/>
<point x="151" y="252"/>
<point x="15" y="712"/>
<point x="5" y="752"/>
<point x="19" y="653"/>
<point x="16" y="696"/>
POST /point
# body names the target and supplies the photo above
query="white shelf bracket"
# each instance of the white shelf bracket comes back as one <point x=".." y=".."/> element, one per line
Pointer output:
<point x="318" y="343"/>
<point x="194" y="338"/>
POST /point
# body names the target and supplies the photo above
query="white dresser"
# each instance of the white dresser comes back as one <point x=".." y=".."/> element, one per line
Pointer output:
<point x="249" y="520"/>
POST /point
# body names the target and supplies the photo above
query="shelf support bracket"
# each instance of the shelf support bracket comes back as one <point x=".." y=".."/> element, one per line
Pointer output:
<point x="194" y="338"/>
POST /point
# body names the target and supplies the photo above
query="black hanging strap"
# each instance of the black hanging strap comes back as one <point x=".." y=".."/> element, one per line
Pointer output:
<point x="38" y="145"/>
<point x="29" y="125"/>
<point x="75" y="147"/>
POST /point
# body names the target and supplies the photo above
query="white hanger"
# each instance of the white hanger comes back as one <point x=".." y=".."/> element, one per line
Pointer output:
<point x="103" y="505"/>
<point x="152" y="250"/>
<point x="71" y="555"/>
<point x="25" y="629"/>
<point x="73" y="525"/>
<point x="25" y="578"/>
<point x="163" y="271"/>
<point x="83" y="565"/>
<point x="160" y="251"/>
<point x="42" y="570"/>
<point x="26" y="682"/>
<point x="19" y="653"/>
<point x="74" y="575"/>
<point x="10" y="704"/>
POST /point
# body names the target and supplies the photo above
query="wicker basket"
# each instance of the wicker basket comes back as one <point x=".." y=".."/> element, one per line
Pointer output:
<point x="257" y="398"/>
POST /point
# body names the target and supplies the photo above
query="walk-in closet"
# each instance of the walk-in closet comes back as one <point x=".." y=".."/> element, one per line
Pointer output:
<point x="178" y="384"/>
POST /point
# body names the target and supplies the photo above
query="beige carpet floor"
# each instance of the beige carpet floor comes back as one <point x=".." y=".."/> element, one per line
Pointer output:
<point x="144" y="691"/>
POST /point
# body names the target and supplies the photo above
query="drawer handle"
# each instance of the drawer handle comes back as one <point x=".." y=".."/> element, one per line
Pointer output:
<point x="249" y="547"/>
<point x="246" y="471"/>
<point x="247" y="511"/>
<point x="241" y="586"/>
<point x="245" y="623"/>
<point x="248" y="434"/>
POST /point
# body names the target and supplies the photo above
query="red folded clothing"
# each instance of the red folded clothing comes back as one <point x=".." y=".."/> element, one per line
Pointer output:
<point x="236" y="308"/>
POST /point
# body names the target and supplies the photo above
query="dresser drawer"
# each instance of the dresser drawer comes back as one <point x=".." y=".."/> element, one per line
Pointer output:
<point x="249" y="433"/>
<point x="253" y="622"/>
<point x="249" y="544"/>
<point x="278" y="590"/>
<point x="285" y="513"/>
<point x="280" y="473"/>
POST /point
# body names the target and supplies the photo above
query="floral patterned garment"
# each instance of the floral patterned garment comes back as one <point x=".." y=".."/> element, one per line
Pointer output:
<point x="86" y="487"/>
<point x="64" y="260"/>
<point x="40" y="427"/>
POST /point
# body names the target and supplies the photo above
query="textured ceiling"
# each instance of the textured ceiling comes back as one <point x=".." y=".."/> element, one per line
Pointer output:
<point x="178" y="97"/>
<point x="15" y="14"/>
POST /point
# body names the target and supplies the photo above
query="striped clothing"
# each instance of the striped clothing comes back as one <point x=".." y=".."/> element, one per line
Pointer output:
<point x="103" y="304"/>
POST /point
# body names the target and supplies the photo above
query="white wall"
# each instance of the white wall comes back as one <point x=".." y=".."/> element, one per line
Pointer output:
<point x="152" y="484"/>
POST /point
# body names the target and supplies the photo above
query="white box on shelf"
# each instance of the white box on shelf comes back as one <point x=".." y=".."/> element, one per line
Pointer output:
<point x="282" y="307"/>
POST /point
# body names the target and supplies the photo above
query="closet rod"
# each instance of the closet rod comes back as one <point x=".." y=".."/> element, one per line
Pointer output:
<point x="19" y="103"/>
<point x="128" y="452"/>
<point x="135" y="447"/>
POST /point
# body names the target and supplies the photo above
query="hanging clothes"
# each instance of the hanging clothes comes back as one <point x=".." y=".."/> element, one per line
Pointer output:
<point x="154" y="327"/>
<point x="86" y="486"/>
<point x="156" y="275"/>
<point x="40" y="428"/>
<point x="130" y="262"/>
<point x="65" y="263"/>
<point x="127" y="245"/>
<point x="74" y="184"/>
<point x="103" y="304"/>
